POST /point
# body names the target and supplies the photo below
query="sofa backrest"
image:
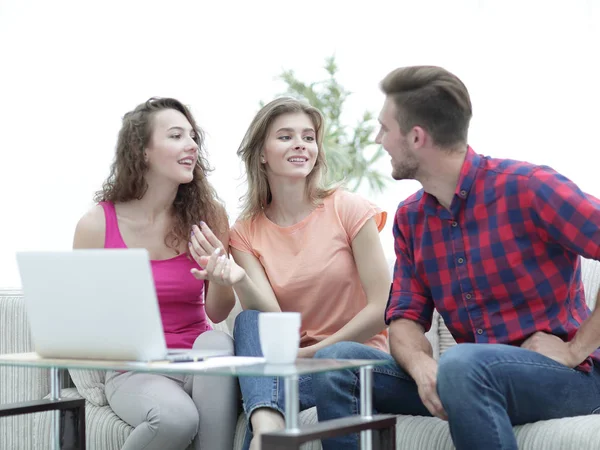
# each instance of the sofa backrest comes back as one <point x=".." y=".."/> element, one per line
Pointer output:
<point x="15" y="338"/>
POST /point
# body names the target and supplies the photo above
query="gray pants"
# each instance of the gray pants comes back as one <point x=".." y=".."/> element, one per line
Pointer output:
<point x="169" y="411"/>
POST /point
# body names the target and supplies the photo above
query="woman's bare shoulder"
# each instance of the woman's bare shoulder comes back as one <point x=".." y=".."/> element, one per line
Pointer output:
<point x="91" y="228"/>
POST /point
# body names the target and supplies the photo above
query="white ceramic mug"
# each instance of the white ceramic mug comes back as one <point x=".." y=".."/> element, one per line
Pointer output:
<point x="279" y="336"/>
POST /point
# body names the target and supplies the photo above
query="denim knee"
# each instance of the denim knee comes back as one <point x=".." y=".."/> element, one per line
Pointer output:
<point x="340" y="350"/>
<point x="460" y="359"/>
<point x="325" y="382"/>
<point x="244" y="320"/>
<point x="456" y="370"/>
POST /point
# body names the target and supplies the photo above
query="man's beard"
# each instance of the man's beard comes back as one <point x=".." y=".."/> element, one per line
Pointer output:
<point x="406" y="170"/>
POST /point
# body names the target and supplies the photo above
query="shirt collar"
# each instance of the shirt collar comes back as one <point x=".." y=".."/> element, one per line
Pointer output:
<point x="468" y="173"/>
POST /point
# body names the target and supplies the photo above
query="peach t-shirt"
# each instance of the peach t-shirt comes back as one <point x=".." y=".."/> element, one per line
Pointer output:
<point x="310" y="265"/>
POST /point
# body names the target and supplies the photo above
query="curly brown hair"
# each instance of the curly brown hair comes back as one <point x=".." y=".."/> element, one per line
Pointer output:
<point x="195" y="201"/>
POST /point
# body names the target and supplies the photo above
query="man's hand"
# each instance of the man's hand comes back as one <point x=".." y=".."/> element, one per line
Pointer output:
<point x="426" y="379"/>
<point x="553" y="347"/>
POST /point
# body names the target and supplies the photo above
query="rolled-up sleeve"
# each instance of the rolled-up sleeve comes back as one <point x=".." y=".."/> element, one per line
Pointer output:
<point x="409" y="297"/>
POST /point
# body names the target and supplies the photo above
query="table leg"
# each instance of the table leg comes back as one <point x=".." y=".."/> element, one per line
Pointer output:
<point x="293" y="436"/>
<point x="55" y="395"/>
<point x="292" y="402"/>
<point x="387" y="438"/>
<point x="366" y="404"/>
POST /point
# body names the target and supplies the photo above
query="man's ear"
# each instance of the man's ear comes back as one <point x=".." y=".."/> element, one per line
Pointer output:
<point x="418" y="137"/>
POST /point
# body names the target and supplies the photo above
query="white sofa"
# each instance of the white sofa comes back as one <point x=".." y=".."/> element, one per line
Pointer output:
<point x="105" y="431"/>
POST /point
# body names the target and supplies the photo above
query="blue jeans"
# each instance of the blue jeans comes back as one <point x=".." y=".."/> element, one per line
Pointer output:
<point x="484" y="388"/>
<point x="263" y="392"/>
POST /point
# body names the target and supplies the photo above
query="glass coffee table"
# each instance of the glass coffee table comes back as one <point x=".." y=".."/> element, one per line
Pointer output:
<point x="289" y="438"/>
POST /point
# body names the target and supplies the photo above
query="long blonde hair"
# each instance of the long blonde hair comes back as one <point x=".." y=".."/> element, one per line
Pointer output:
<point x="259" y="195"/>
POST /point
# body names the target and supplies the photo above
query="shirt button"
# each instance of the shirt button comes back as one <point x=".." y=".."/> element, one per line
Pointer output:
<point x="454" y="223"/>
<point x="468" y="296"/>
<point x="463" y="193"/>
<point x="479" y="331"/>
<point x="460" y="260"/>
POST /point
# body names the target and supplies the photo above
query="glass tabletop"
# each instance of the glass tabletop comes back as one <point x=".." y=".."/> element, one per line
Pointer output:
<point x="238" y="366"/>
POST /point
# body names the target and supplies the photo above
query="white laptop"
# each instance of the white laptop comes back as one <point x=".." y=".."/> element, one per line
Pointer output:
<point x="96" y="304"/>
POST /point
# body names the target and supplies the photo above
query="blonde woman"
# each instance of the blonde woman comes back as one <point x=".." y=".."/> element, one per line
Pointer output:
<point x="298" y="246"/>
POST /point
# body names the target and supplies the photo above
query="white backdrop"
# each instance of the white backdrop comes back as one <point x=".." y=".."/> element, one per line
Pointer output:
<point x="70" y="69"/>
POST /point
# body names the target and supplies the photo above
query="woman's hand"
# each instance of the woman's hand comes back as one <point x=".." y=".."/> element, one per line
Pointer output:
<point x="308" y="352"/>
<point x="203" y="242"/>
<point x="208" y="251"/>
<point x="220" y="269"/>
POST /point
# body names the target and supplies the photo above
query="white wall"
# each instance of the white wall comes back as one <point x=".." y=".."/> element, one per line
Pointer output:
<point x="69" y="71"/>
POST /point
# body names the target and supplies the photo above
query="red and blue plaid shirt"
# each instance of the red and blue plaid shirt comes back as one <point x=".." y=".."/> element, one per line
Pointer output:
<point x="503" y="262"/>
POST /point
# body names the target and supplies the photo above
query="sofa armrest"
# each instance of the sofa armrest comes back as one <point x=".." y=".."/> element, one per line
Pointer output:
<point x="14" y="327"/>
<point x="104" y="429"/>
<point x="18" y="384"/>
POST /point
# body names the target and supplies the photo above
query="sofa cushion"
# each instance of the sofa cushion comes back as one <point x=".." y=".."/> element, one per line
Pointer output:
<point x="424" y="433"/>
<point x="90" y="384"/>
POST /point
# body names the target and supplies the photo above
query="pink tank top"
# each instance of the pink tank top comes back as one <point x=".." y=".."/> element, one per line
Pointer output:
<point x="180" y="295"/>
